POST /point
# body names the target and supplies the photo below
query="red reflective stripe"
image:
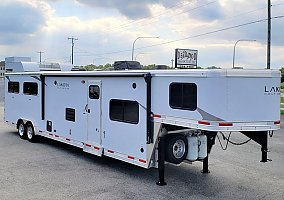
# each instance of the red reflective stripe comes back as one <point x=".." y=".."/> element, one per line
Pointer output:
<point x="277" y="123"/>
<point x="203" y="123"/>
<point x="97" y="148"/>
<point x="225" y="124"/>
<point x="157" y="115"/>
<point x="88" y="145"/>
<point x="110" y="151"/>
<point x="67" y="139"/>
<point x="143" y="161"/>
<point x="131" y="157"/>
<point x="50" y="134"/>
<point x="56" y="135"/>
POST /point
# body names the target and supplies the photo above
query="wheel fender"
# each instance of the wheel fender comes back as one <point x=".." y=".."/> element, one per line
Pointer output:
<point x="26" y="121"/>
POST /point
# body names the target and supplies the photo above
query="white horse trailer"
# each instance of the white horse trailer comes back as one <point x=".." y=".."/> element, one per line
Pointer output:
<point x="145" y="117"/>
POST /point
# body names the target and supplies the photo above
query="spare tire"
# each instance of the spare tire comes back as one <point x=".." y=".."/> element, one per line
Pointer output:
<point x="176" y="148"/>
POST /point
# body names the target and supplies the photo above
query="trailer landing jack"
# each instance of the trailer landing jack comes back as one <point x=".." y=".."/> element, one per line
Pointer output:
<point x="161" y="162"/>
<point x="261" y="138"/>
<point x="211" y="136"/>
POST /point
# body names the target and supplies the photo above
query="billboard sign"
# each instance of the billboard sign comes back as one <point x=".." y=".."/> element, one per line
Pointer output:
<point x="186" y="58"/>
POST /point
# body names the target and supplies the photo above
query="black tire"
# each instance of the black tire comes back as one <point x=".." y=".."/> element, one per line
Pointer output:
<point x="30" y="132"/>
<point x="22" y="130"/>
<point x="176" y="148"/>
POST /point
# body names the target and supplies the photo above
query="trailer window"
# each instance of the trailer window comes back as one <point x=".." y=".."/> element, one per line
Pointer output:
<point x="70" y="114"/>
<point x="183" y="96"/>
<point x="94" y="92"/>
<point x="124" y="111"/>
<point x="13" y="87"/>
<point x="30" y="88"/>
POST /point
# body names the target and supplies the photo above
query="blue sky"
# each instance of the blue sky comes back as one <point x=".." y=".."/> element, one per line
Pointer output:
<point x="106" y="30"/>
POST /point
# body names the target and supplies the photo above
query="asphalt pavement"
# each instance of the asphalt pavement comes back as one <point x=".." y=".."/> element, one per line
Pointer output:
<point x="51" y="170"/>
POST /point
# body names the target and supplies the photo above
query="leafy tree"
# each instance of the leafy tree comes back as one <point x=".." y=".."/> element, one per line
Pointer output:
<point x="149" y="67"/>
<point x="213" y="67"/>
<point x="282" y="74"/>
<point x="93" y="67"/>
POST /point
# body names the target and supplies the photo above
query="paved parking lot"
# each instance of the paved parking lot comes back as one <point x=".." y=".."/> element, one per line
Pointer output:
<point x="51" y="170"/>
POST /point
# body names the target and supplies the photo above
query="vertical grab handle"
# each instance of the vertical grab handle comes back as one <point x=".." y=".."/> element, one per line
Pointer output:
<point x="86" y="109"/>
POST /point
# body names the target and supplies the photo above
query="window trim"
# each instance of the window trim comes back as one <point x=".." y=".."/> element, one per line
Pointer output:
<point x="180" y="107"/>
<point x="93" y="96"/>
<point x="13" y="91"/>
<point x="70" y="114"/>
<point x="123" y="110"/>
<point x="32" y="94"/>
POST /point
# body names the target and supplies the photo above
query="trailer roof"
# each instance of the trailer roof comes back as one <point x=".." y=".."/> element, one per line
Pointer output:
<point x="164" y="73"/>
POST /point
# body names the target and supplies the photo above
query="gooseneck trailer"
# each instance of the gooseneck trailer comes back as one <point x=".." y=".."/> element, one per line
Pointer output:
<point x="145" y="117"/>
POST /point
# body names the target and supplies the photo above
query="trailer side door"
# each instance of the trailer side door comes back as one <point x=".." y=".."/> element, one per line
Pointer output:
<point x="93" y="109"/>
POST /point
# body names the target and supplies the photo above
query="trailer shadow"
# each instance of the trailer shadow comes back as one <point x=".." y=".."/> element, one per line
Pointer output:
<point x="183" y="181"/>
<point x="186" y="177"/>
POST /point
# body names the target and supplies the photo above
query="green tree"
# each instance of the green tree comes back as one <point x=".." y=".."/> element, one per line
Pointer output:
<point x="213" y="67"/>
<point x="90" y="67"/>
<point x="149" y="67"/>
<point x="282" y="75"/>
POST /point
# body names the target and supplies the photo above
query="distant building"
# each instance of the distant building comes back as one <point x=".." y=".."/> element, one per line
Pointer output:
<point x="2" y="68"/>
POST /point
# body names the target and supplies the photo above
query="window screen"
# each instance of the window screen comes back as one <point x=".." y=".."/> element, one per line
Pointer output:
<point x="94" y="92"/>
<point x="124" y="111"/>
<point x="183" y="96"/>
<point x="30" y="88"/>
<point x="13" y="87"/>
<point x="70" y="114"/>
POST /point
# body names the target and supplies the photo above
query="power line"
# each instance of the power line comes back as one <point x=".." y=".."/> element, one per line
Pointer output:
<point x="155" y="16"/>
<point x="212" y="32"/>
<point x="123" y="28"/>
<point x="189" y="10"/>
<point x="195" y="36"/>
<point x="227" y="19"/>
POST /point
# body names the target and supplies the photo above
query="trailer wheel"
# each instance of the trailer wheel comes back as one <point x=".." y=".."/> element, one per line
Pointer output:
<point x="176" y="148"/>
<point x="22" y="131"/>
<point x="31" y="133"/>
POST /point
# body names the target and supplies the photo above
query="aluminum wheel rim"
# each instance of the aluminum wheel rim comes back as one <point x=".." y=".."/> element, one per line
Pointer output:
<point x="21" y="130"/>
<point x="179" y="148"/>
<point x="30" y="132"/>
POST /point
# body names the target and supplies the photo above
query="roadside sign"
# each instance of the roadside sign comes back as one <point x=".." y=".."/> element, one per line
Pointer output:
<point x="185" y="58"/>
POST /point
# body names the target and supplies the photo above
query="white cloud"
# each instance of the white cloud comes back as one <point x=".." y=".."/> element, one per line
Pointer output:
<point x="18" y="21"/>
<point x="170" y="20"/>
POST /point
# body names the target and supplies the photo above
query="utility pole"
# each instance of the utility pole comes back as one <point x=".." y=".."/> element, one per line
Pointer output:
<point x="269" y="34"/>
<point x="172" y="63"/>
<point x="40" y="53"/>
<point x="72" y="49"/>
